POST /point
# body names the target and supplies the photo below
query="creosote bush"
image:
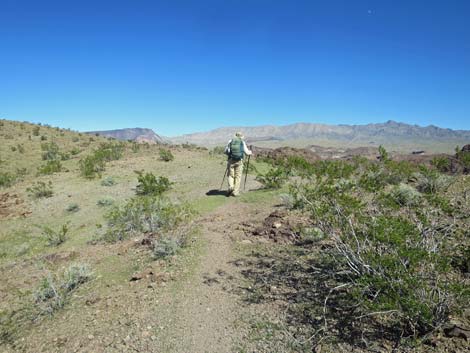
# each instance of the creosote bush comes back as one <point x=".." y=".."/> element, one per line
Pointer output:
<point x="55" y="237"/>
<point x="93" y="165"/>
<point x="40" y="189"/>
<point x="166" y="155"/>
<point x="51" y="167"/>
<point x="392" y="244"/>
<point x="149" y="184"/>
<point x="6" y="179"/>
<point x="275" y="178"/>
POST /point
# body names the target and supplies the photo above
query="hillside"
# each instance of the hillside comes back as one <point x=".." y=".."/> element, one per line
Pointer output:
<point x="135" y="134"/>
<point x="95" y="257"/>
<point x="392" y="134"/>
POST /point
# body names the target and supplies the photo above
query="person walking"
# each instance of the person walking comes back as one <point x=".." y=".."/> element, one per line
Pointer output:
<point x="236" y="150"/>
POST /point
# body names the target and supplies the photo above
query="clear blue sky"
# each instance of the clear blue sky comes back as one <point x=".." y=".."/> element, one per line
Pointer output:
<point x="182" y="66"/>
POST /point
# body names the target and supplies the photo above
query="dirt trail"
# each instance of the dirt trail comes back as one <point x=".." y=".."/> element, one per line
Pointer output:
<point x="204" y="309"/>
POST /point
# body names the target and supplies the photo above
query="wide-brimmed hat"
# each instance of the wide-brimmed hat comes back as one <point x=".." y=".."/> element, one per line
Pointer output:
<point x="239" y="134"/>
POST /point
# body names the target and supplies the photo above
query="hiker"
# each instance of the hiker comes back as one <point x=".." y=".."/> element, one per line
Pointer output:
<point x="235" y="150"/>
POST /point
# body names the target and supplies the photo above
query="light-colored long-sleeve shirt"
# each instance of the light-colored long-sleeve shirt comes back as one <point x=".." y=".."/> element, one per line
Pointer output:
<point x="246" y="150"/>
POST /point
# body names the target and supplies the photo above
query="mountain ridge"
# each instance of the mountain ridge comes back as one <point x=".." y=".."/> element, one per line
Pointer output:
<point x="138" y="134"/>
<point x="390" y="130"/>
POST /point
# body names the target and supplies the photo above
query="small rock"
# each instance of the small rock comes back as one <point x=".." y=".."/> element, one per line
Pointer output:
<point x="246" y="241"/>
<point x="277" y="225"/>
<point x="90" y="337"/>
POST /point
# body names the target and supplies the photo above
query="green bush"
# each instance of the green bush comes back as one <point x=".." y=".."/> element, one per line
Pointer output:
<point x="6" y="179"/>
<point x="55" y="237"/>
<point x="392" y="265"/>
<point x="441" y="163"/>
<point x="54" y="290"/>
<point x="149" y="184"/>
<point x="150" y="215"/>
<point x="51" y="167"/>
<point x="135" y="147"/>
<point x="275" y="178"/>
<point x="40" y="189"/>
<point x="91" y="166"/>
<point x="166" y="155"/>
<point x="74" y="151"/>
<point x="50" y="151"/>
<point x="431" y="182"/>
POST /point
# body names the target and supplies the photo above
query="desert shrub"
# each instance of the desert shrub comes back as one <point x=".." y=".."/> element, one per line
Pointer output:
<point x="135" y="147"/>
<point x="392" y="265"/>
<point x="55" y="237"/>
<point x="274" y="178"/>
<point x="441" y="163"/>
<point x="405" y="195"/>
<point x="383" y="154"/>
<point x="431" y="182"/>
<point x="43" y="138"/>
<point x="36" y="130"/>
<point x="110" y="151"/>
<point x="105" y="202"/>
<point x="165" y="246"/>
<point x="50" y="151"/>
<point x="73" y="207"/>
<point x="40" y="189"/>
<point x="299" y="165"/>
<point x="166" y="155"/>
<point x="13" y="148"/>
<point x="74" y="151"/>
<point x="54" y="290"/>
<point x="147" y="214"/>
<point x="75" y="139"/>
<point x="91" y="166"/>
<point x="218" y="150"/>
<point x="64" y="156"/>
<point x="108" y="181"/>
<point x="464" y="159"/>
<point x="20" y="148"/>
<point x="149" y="184"/>
<point x="6" y="179"/>
<point x="51" y="167"/>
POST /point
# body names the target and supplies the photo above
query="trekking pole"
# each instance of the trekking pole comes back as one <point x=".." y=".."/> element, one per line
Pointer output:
<point x="246" y="173"/>
<point x="223" y="179"/>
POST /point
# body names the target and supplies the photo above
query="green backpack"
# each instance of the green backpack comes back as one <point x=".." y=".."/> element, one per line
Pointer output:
<point x="236" y="149"/>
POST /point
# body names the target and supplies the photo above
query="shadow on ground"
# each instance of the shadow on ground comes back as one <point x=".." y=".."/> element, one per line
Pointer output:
<point x="303" y="283"/>
<point x="216" y="192"/>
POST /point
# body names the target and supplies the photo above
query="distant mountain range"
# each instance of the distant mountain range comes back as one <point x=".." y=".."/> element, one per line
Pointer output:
<point x="390" y="131"/>
<point x="135" y="134"/>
